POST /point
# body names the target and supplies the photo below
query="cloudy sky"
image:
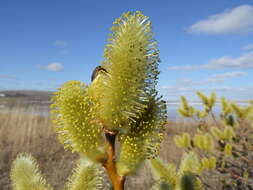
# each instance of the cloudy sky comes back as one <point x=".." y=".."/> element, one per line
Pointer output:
<point x="204" y="45"/>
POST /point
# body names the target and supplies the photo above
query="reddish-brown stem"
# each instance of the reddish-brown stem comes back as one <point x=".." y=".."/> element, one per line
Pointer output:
<point x="110" y="165"/>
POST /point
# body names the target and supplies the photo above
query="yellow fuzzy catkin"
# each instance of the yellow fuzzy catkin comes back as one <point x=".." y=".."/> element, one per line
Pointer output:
<point x="205" y="163"/>
<point x="212" y="162"/>
<point x="237" y="110"/>
<point x="242" y="112"/>
<point x="217" y="133"/>
<point x="203" y="98"/>
<point x="164" y="172"/>
<point x="212" y="100"/>
<point x="204" y="142"/>
<point x="75" y="120"/>
<point x="198" y="141"/>
<point x="185" y="110"/>
<point x="25" y="174"/>
<point x="86" y="176"/>
<point x="227" y="134"/>
<point x="208" y="102"/>
<point x="225" y="105"/>
<point x="131" y="58"/>
<point x="228" y="149"/>
<point x="185" y="178"/>
<point x="208" y="143"/>
<point x="183" y="141"/>
<point x="201" y="114"/>
<point x="189" y="163"/>
<point x="144" y="139"/>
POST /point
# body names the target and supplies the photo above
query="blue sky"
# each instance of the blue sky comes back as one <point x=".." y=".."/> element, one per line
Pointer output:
<point x="204" y="45"/>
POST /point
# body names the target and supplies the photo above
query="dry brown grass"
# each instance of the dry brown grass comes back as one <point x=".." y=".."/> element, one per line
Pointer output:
<point x="24" y="132"/>
<point x="21" y="130"/>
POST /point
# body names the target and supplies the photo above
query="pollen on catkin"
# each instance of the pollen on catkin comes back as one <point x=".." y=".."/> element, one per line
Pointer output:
<point x="131" y="59"/>
<point x="74" y="119"/>
<point x="144" y="139"/>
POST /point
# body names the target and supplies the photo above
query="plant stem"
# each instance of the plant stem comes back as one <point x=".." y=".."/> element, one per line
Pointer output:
<point x="110" y="165"/>
<point x="216" y="122"/>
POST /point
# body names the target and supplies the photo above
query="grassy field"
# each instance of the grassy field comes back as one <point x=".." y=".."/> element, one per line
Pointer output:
<point x="22" y="131"/>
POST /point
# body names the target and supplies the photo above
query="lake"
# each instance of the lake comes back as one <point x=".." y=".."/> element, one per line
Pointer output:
<point x="43" y="108"/>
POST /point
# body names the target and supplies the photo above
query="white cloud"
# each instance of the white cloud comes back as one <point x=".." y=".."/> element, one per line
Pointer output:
<point x="248" y="47"/>
<point x="235" y="93"/>
<point x="54" y="67"/>
<point x="177" y="91"/>
<point x="225" y="76"/>
<point x="213" y="79"/>
<point x="241" y="62"/>
<point x="183" y="67"/>
<point x="236" y="20"/>
<point x="60" y="44"/>
<point x="244" y="61"/>
<point x="8" y="77"/>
